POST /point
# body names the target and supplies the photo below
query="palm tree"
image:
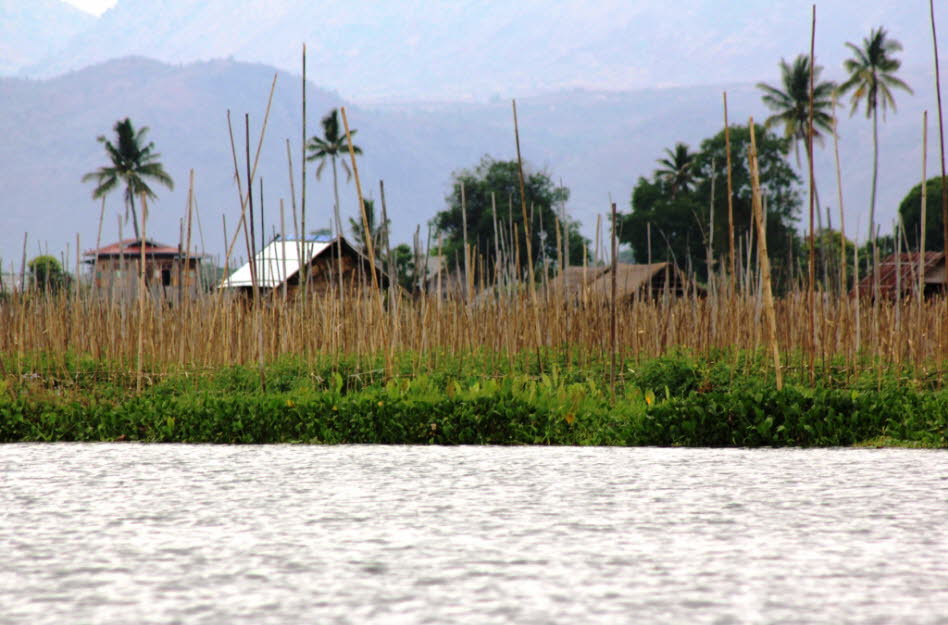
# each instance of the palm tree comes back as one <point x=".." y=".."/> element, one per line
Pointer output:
<point x="791" y="105"/>
<point x="329" y="147"/>
<point x="677" y="168"/>
<point x="377" y="230"/>
<point x="133" y="162"/>
<point x="871" y="79"/>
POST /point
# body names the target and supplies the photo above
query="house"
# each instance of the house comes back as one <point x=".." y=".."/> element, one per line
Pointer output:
<point x="278" y="266"/>
<point x="594" y="283"/>
<point x="900" y="271"/>
<point x="168" y="270"/>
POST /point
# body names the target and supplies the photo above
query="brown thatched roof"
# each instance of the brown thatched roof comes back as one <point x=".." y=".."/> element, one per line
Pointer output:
<point x="596" y="282"/>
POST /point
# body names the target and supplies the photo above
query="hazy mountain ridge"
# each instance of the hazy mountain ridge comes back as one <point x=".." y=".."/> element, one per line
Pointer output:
<point x="31" y="30"/>
<point x="597" y="143"/>
<point x="473" y="49"/>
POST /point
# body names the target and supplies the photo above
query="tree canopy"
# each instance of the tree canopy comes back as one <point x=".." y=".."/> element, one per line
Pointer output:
<point x="680" y="223"/>
<point x="911" y="211"/>
<point x="497" y="183"/>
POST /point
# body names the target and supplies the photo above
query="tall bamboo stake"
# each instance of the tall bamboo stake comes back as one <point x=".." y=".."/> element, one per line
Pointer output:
<point x="762" y="258"/>
<point x="526" y="228"/>
<point x="304" y="266"/>
<point x="365" y="220"/>
<point x="842" y="215"/>
<point x="923" y="216"/>
<point x="811" y="275"/>
<point x="730" y="192"/>
<point x="941" y="136"/>
<point x="612" y="309"/>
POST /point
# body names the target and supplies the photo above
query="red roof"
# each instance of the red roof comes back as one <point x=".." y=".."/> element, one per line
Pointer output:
<point x="132" y="247"/>
<point x="901" y="266"/>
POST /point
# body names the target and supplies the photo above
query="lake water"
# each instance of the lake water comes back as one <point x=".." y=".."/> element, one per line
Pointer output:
<point x="127" y="533"/>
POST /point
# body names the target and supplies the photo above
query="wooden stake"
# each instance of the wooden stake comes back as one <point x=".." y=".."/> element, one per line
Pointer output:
<point x="762" y="258"/>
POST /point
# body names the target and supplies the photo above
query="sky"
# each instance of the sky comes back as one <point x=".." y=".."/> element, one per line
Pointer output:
<point x="96" y="7"/>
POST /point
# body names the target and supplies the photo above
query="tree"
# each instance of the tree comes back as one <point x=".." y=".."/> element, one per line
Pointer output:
<point x="328" y="148"/>
<point x="676" y="169"/>
<point x="911" y="211"/>
<point x="133" y="162"/>
<point x="46" y="274"/>
<point x="871" y="80"/>
<point x="544" y="201"/>
<point x="791" y="105"/>
<point x="377" y="230"/>
<point x="680" y="225"/>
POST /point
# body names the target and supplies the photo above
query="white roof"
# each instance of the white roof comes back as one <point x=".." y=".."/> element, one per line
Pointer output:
<point x="275" y="263"/>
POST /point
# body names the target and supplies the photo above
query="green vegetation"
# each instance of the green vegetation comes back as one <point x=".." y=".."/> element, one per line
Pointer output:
<point x="911" y="212"/>
<point x="678" y="207"/>
<point x="675" y="400"/>
<point x="496" y="184"/>
<point x="46" y="274"/>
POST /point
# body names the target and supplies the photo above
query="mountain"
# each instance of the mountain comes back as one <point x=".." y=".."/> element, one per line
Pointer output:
<point x="596" y="143"/>
<point x="374" y="51"/>
<point x="32" y="30"/>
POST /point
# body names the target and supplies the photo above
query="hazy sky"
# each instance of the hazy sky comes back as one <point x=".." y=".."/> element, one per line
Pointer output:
<point x="96" y="7"/>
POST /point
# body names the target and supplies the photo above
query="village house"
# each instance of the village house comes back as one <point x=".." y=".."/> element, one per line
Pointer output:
<point x="594" y="283"/>
<point x="278" y="267"/>
<point x="899" y="273"/>
<point x="169" y="271"/>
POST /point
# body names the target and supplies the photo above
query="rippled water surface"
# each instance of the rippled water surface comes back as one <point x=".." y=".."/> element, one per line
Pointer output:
<point x="284" y="534"/>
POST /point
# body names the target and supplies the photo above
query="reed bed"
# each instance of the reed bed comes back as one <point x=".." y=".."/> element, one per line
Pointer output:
<point x="850" y="337"/>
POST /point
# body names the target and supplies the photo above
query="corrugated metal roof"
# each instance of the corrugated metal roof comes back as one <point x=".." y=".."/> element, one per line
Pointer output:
<point x="277" y="262"/>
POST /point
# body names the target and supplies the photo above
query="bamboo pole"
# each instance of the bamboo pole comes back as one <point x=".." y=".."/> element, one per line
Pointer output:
<point x="730" y="192"/>
<point x="941" y="136"/>
<point x="762" y="258"/>
<point x="365" y="220"/>
<point x="923" y="216"/>
<point x="526" y="228"/>
<point x="842" y="215"/>
<point x="811" y="269"/>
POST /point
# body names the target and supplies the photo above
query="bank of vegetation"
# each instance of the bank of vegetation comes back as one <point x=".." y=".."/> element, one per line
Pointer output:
<point x="758" y="341"/>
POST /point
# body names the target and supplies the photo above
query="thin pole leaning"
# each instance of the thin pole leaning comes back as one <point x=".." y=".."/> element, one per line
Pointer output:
<point x="365" y="220"/>
<point x="811" y="269"/>
<point x="526" y="227"/>
<point x="923" y="216"/>
<point x="941" y="136"/>
<point x="730" y="192"/>
<point x="842" y="215"/>
<point x="763" y="259"/>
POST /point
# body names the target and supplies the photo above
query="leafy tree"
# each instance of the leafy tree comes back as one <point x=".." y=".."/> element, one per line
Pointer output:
<point x="544" y="200"/>
<point x="871" y="80"/>
<point x="405" y="267"/>
<point x="677" y="168"/>
<point x="46" y="273"/>
<point x="911" y="211"/>
<point x="680" y="225"/>
<point x="133" y="162"/>
<point x="332" y="146"/>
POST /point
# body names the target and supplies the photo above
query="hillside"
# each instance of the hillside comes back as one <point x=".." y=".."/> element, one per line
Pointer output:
<point x="597" y="143"/>
<point x="475" y="49"/>
<point x="33" y="30"/>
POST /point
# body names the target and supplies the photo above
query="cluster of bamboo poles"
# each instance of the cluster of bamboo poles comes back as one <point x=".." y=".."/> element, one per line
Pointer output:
<point x="737" y="314"/>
